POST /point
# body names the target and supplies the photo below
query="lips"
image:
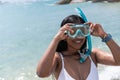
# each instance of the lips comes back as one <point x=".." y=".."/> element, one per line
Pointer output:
<point x="78" y="41"/>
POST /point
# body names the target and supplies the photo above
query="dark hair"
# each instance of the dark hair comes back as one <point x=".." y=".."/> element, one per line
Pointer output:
<point x="62" y="45"/>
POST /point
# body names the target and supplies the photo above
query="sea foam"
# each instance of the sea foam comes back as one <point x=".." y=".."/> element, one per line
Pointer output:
<point x="110" y="73"/>
<point x="18" y="1"/>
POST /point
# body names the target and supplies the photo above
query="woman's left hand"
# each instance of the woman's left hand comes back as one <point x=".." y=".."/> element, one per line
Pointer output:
<point x="97" y="30"/>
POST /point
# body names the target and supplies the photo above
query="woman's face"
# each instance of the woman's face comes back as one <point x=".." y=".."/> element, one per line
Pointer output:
<point x="75" y="43"/>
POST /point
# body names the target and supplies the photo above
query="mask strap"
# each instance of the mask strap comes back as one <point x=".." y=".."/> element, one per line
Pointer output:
<point x="88" y="52"/>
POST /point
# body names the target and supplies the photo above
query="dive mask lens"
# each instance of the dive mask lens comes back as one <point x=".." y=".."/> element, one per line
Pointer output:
<point x="85" y="29"/>
<point x="79" y="30"/>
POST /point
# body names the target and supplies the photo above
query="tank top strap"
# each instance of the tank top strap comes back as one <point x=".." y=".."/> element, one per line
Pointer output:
<point x="62" y="59"/>
<point x="90" y="58"/>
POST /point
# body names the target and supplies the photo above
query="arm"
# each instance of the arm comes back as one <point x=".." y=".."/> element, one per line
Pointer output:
<point x="115" y="49"/>
<point x="49" y="61"/>
<point x="103" y="57"/>
<point x="107" y="58"/>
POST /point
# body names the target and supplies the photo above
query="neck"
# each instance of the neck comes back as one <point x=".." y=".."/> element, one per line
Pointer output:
<point x="69" y="53"/>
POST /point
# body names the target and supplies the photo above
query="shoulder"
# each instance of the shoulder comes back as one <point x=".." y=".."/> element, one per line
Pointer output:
<point x="58" y="57"/>
<point x="94" y="54"/>
<point x="59" y="64"/>
<point x="95" y="50"/>
<point x="99" y="53"/>
<point x="59" y="60"/>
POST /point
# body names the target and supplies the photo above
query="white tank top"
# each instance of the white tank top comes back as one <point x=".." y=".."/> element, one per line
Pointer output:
<point x="93" y="75"/>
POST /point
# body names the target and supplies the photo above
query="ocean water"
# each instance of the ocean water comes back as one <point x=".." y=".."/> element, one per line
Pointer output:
<point x="28" y="26"/>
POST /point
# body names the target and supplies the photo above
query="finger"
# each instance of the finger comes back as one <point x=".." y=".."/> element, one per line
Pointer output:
<point x="92" y="27"/>
<point x="70" y="24"/>
<point x="67" y="27"/>
<point x="89" y="23"/>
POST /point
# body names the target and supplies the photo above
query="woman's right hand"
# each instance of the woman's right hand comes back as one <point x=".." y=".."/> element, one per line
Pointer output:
<point x="61" y="35"/>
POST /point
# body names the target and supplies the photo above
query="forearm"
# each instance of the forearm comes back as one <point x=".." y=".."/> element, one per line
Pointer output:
<point x="46" y="64"/>
<point x="115" y="49"/>
<point x="49" y="61"/>
<point x="97" y="30"/>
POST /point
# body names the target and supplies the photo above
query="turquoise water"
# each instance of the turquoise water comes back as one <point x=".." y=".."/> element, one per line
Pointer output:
<point x="26" y="29"/>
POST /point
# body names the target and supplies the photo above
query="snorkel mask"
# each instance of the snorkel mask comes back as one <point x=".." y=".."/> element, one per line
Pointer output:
<point x="82" y="30"/>
<point x="79" y="30"/>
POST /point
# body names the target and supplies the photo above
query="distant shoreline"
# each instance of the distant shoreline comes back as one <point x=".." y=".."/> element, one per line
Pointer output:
<point x="78" y="1"/>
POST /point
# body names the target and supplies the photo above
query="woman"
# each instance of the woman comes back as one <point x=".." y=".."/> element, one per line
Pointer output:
<point x="62" y="57"/>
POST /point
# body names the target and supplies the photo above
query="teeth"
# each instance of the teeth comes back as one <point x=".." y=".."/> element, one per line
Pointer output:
<point x="78" y="41"/>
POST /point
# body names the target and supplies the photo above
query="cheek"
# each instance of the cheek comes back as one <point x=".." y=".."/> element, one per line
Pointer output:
<point x="69" y="40"/>
<point x="83" y="41"/>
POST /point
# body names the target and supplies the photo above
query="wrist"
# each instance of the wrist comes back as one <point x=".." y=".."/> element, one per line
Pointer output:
<point x="103" y="35"/>
<point x="106" y="38"/>
<point x="56" y="39"/>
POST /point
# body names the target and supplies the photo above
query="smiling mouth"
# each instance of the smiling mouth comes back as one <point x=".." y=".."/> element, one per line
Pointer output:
<point x="78" y="41"/>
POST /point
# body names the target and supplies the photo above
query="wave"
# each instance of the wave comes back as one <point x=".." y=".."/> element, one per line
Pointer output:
<point x="110" y="73"/>
<point x="17" y="1"/>
<point x="23" y="1"/>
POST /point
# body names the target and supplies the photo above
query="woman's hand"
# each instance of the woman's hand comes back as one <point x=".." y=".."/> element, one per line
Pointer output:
<point x="61" y="35"/>
<point x="97" y="30"/>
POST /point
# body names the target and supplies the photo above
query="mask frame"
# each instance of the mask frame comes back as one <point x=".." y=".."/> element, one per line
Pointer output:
<point x="80" y="30"/>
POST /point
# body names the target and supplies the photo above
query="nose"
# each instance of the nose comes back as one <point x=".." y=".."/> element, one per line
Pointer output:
<point x="78" y="34"/>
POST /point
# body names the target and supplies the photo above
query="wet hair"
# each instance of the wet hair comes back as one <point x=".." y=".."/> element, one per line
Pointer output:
<point x="62" y="45"/>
